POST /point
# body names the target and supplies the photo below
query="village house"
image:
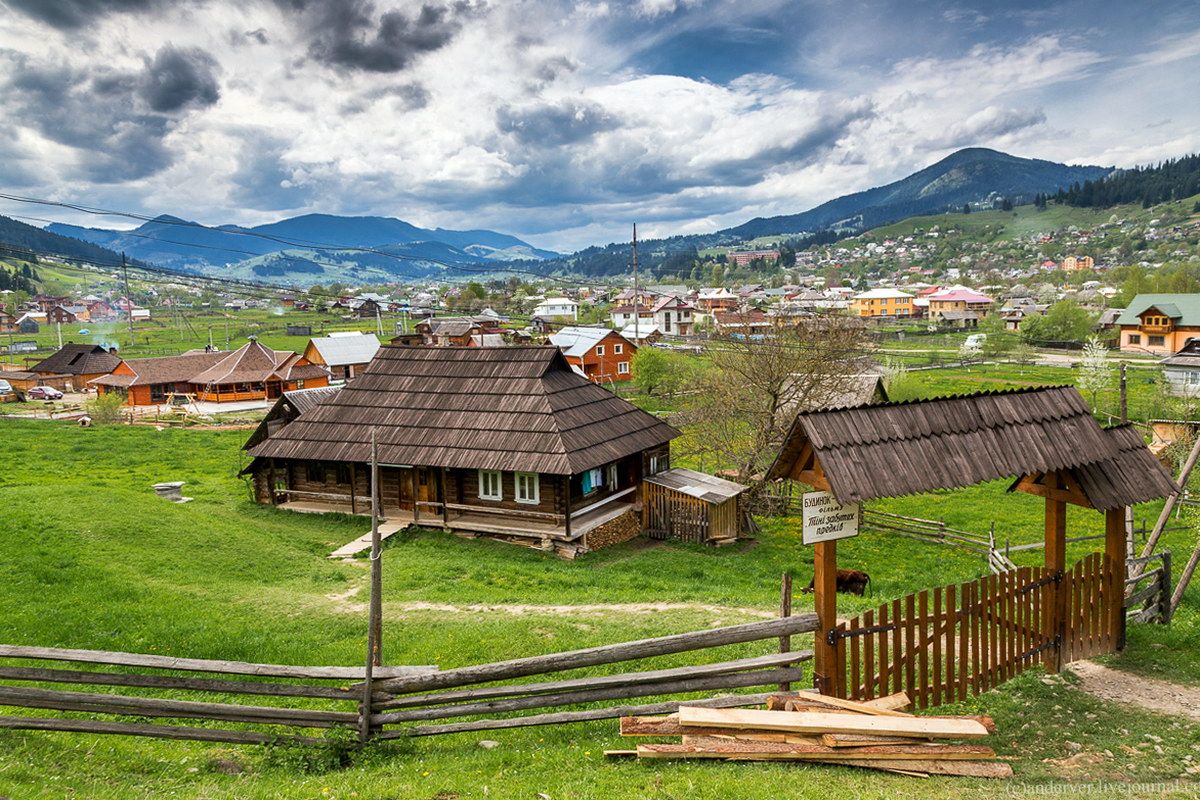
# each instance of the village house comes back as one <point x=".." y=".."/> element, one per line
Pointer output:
<point x="669" y="314"/>
<point x="959" y="304"/>
<point x="477" y="331"/>
<point x="742" y="258"/>
<point x="8" y="322"/>
<point x="1072" y="263"/>
<point x="344" y="353"/>
<point x="507" y="442"/>
<point x="742" y="323"/>
<point x="1160" y="323"/>
<point x="599" y="354"/>
<point x="557" y="307"/>
<point x="250" y="373"/>
<point x="717" y="299"/>
<point x="83" y="362"/>
<point x="1182" y="369"/>
<point x="882" y="303"/>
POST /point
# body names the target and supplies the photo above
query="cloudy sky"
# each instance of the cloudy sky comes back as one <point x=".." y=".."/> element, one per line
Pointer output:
<point x="563" y="122"/>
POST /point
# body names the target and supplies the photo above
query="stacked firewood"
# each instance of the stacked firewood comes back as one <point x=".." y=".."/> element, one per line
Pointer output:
<point x="877" y="734"/>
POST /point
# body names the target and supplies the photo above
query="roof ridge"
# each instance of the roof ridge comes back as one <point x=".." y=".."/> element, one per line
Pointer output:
<point x="912" y="401"/>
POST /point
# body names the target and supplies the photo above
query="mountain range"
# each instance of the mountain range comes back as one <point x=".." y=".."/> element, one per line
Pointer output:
<point x="972" y="175"/>
<point x="320" y="248"/>
<point x="306" y="244"/>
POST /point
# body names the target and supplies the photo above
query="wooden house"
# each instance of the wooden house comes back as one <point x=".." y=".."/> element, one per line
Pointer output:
<point x="8" y="322"/>
<point x="601" y="355"/>
<point x="249" y="373"/>
<point x="287" y="409"/>
<point x="345" y="354"/>
<point x="501" y="441"/>
<point x="477" y="331"/>
<point x="83" y="362"/>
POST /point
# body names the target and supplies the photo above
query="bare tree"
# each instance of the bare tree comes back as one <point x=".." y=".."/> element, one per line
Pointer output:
<point x="743" y="405"/>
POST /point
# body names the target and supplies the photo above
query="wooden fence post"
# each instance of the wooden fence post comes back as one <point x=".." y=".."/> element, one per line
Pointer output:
<point x="1116" y="549"/>
<point x="785" y="610"/>
<point x="375" y="615"/>
<point x="825" y="679"/>
<point x="1056" y="561"/>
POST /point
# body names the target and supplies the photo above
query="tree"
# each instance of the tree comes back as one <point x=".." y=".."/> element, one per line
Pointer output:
<point x="1066" y="321"/>
<point x="105" y="409"/>
<point x="741" y="406"/>
<point x="966" y="209"/>
<point x="649" y="369"/>
<point x="1095" y="373"/>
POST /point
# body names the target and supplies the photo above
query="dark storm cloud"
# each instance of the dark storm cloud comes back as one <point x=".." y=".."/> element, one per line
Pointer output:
<point x="351" y="34"/>
<point x="117" y="119"/>
<point x="71" y="14"/>
<point x="561" y="123"/>
<point x="178" y="78"/>
<point x="262" y="181"/>
<point x="412" y="97"/>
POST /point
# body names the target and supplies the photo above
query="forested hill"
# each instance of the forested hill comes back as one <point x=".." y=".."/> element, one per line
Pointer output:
<point x="17" y="237"/>
<point x="1159" y="183"/>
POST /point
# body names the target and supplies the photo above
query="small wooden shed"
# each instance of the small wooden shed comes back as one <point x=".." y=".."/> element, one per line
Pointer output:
<point x="691" y="506"/>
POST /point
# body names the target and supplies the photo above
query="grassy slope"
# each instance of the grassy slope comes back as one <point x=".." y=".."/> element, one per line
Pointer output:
<point x="94" y="559"/>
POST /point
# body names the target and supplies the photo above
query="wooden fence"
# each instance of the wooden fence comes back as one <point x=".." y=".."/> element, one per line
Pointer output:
<point x="951" y="642"/>
<point x="387" y="702"/>
<point x="1148" y="589"/>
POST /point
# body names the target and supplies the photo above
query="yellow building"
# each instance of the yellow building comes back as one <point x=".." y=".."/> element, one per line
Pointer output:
<point x="1071" y="263"/>
<point x="882" y="303"/>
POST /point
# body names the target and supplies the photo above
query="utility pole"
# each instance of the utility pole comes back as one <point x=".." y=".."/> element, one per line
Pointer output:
<point x="128" y="296"/>
<point x="1124" y="396"/>
<point x="58" y="325"/>
<point x="637" y="339"/>
<point x="210" y="341"/>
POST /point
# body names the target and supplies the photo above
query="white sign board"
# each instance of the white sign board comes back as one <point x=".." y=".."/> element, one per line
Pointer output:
<point x="827" y="520"/>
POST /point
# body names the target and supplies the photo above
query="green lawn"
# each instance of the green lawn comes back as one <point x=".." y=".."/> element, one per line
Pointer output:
<point x="94" y="559"/>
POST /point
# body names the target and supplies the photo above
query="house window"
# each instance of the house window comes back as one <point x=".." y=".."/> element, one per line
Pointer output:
<point x="1135" y="338"/>
<point x="612" y="477"/>
<point x="343" y="473"/>
<point x="618" y="349"/>
<point x="527" y="488"/>
<point x="599" y="349"/>
<point x="653" y="465"/>
<point x="489" y="485"/>
<point x="623" y="368"/>
<point x="1157" y="341"/>
<point x="300" y="383"/>
<point x="315" y="472"/>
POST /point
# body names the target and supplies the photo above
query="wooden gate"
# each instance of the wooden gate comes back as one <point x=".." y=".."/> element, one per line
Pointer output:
<point x="945" y="644"/>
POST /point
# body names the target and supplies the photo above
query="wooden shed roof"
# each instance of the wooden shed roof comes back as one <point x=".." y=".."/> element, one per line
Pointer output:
<point x="708" y="488"/>
<point x="79" y="359"/>
<point x="506" y="408"/>
<point x="895" y="449"/>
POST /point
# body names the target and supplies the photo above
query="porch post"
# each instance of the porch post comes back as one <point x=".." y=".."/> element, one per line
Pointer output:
<point x="1056" y="561"/>
<point x="825" y="677"/>
<point x="442" y="488"/>
<point x="566" y="485"/>
<point x="353" y="477"/>
<point x="416" y="499"/>
<point x="1116" y="550"/>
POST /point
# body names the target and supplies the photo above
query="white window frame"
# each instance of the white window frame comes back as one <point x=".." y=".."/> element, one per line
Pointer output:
<point x="618" y="349"/>
<point x="600" y="350"/>
<point x="485" y="476"/>
<point x="653" y="465"/>
<point x="530" y="479"/>
<point x="623" y="368"/>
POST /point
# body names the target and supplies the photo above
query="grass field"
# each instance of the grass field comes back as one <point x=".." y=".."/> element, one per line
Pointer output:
<point x="94" y="559"/>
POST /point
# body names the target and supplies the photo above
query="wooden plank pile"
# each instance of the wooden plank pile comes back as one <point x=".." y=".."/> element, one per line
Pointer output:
<point x="810" y="727"/>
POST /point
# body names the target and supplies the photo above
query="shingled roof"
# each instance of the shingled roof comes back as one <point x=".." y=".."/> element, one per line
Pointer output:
<point x="895" y="449"/>
<point x="79" y="359"/>
<point x="507" y="408"/>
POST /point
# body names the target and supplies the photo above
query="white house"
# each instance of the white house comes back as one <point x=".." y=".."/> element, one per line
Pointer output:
<point x="557" y="307"/>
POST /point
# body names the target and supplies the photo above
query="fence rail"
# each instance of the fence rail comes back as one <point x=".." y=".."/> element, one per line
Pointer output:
<point x="1148" y="590"/>
<point x="385" y="702"/>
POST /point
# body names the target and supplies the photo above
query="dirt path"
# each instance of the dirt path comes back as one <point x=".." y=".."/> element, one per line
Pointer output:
<point x="346" y="601"/>
<point x="1150" y="694"/>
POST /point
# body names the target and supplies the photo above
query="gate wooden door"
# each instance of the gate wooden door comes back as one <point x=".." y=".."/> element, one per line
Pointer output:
<point x="944" y="644"/>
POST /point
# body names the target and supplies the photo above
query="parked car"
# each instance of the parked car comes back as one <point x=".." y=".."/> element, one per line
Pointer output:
<point x="44" y="393"/>
<point x="7" y="393"/>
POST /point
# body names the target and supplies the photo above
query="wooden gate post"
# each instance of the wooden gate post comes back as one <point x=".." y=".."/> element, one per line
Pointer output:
<point x="1115" y="549"/>
<point x="1056" y="561"/>
<point x="825" y="678"/>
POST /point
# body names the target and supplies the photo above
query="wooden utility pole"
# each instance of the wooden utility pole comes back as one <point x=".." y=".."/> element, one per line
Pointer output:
<point x="1055" y="611"/>
<point x="1124" y="395"/>
<point x="826" y="677"/>
<point x="128" y="296"/>
<point x="785" y="610"/>
<point x="637" y="339"/>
